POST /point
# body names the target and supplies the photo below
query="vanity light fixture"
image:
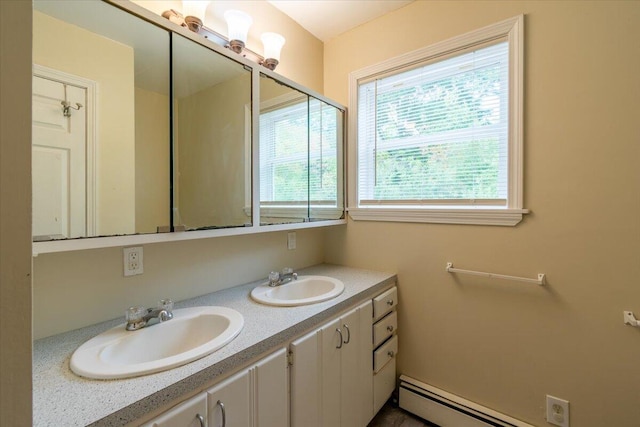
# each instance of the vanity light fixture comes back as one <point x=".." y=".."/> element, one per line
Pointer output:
<point x="238" y="23"/>
<point x="273" y="43"/>
<point x="194" y="11"/>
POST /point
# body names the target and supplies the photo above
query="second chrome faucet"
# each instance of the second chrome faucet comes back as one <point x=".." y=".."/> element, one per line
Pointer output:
<point x="287" y="275"/>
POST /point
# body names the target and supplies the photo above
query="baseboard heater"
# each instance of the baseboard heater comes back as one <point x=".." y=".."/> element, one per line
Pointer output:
<point x="448" y="410"/>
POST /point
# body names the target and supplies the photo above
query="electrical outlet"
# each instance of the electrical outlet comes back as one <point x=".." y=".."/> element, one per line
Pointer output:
<point x="133" y="261"/>
<point x="557" y="411"/>
<point x="291" y="240"/>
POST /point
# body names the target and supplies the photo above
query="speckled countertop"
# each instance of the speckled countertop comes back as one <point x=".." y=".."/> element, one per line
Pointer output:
<point x="62" y="398"/>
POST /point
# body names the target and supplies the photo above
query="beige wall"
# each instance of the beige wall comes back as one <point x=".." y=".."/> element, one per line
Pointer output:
<point x="506" y="345"/>
<point x="15" y="213"/>
<point x="76" y="289"/>
<point x="73" y="50"/>
<point x="152" y="161"/>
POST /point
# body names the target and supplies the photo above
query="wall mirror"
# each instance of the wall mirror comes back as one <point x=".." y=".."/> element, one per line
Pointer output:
<point x="101" y="155"/>
<point x="300" y="156"/>
<point x="212" y="138"/>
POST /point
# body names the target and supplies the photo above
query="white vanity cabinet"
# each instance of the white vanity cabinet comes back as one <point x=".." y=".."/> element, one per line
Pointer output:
<point x="331" y="372"/>
<point x="255" y="397"/>
<point x="191" y="413"/>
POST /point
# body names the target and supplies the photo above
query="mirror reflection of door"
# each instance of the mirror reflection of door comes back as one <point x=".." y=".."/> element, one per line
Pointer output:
<point x="58" y="159"/>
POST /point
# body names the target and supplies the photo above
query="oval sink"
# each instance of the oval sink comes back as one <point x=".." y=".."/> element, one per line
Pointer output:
<point x="305" y="290"/>
<point x="192" y="333"/>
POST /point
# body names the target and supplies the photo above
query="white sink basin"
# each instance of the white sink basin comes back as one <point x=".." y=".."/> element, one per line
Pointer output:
<point x="191" y="334"/>
<point x="305" y="290"/>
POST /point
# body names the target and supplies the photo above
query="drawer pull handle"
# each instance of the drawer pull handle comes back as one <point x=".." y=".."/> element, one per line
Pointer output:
<point x="390" y="302"/>
<point x="390" y="353"/>
<point x="200" y="419"/>
<point x="348" y="334"/>
<point x="390" y="328"/>
<point x="224" y="415"/>
<point x="340" y="332"/>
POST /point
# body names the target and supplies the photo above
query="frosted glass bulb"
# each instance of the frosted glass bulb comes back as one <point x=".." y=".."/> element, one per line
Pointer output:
<point x="238" y="23"/>
<point x="273" y="43"/>
<point x="195" y="8"/>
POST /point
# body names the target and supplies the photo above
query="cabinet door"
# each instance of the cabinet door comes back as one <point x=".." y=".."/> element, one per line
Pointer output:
<point x="191" y="413"/>
<point x="332" y="338"/>
<point x="229" y="402"/>
<point x="365" y="363"/>
<point x="349" y="398"/>
<point x="306" y="376"/>
<point x="271" y="387"/>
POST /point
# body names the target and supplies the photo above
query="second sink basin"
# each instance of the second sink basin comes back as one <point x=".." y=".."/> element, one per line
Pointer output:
<point x="192" y="333"/>
<point x="305" y="290"/>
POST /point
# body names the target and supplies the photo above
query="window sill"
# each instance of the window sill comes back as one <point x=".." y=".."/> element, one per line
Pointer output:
<point x="471" y="216"/>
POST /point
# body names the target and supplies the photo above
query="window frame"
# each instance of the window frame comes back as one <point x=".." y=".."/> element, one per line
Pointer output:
<point x="512" y="31"/>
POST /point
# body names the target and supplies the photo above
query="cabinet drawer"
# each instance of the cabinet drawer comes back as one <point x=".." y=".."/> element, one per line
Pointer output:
<point x="384" y="303"/>
<point x="384" y="328"/>
<point x="385" y="353"/>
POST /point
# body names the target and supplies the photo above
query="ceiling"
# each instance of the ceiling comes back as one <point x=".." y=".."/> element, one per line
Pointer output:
<point x="330" y="18"/>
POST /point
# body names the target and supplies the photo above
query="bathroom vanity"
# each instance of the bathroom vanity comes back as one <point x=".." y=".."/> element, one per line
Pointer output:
<point x="322" y="355"/>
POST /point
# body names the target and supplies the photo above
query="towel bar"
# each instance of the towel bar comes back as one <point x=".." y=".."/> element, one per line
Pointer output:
<point x="541" y="280"/>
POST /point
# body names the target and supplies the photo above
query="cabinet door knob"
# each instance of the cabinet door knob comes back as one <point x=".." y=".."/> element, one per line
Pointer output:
<point x="340" y="332"/>
<point x="390" y="328"/>
<point x="224" y="415"/>
<point x="200" y="419"/>
<point x="390" y="353"/>
<point x="348" y="333"/>
<point x="390" y="302"/>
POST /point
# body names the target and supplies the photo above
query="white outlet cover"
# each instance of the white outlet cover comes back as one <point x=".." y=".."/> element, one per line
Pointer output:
<point x="291" y="240"/>
<point x="557" y="411"/>
<point x="128" y="253"/>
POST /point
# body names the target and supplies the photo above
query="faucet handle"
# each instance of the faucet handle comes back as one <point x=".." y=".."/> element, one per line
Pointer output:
<point x="135" y="314"/>
<point x="287" y="270"/>
<point x="166" y="304"/>
<point x="274" y="276"/>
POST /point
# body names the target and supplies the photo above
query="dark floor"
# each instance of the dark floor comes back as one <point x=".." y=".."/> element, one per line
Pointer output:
<point x="392" y="416"/>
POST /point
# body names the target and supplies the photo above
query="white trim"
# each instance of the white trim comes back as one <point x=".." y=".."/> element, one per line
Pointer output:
<point x="91" y="137"/>
<point x="479" y="216"/>
<point x="512" y="30"/>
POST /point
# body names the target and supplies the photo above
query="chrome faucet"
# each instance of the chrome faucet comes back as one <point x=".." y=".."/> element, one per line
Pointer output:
<point x="138" y="317"/>
<point x="287" y="275"/>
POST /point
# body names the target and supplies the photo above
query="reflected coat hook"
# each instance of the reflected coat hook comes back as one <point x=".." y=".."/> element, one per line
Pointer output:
<point x="66" y="108"/>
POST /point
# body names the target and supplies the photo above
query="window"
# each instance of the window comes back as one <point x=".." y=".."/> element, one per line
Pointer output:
<point x="439" y="132"/>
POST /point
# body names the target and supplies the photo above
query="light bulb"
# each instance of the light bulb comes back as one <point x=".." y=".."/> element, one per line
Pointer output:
<point x="194" y="12"/>
<point x="195" y="8"/>
<point x="238" y="23"/>
<point x="273" y="43"/>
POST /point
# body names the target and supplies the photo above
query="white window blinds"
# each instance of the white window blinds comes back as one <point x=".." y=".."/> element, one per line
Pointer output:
<point x="436" y="133"/>
<point x="284" y="153"/>
<point x="298" y="153"/>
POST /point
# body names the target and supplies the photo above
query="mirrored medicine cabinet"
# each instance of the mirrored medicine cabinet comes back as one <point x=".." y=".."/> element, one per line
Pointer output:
<point x="144" y="132"/>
